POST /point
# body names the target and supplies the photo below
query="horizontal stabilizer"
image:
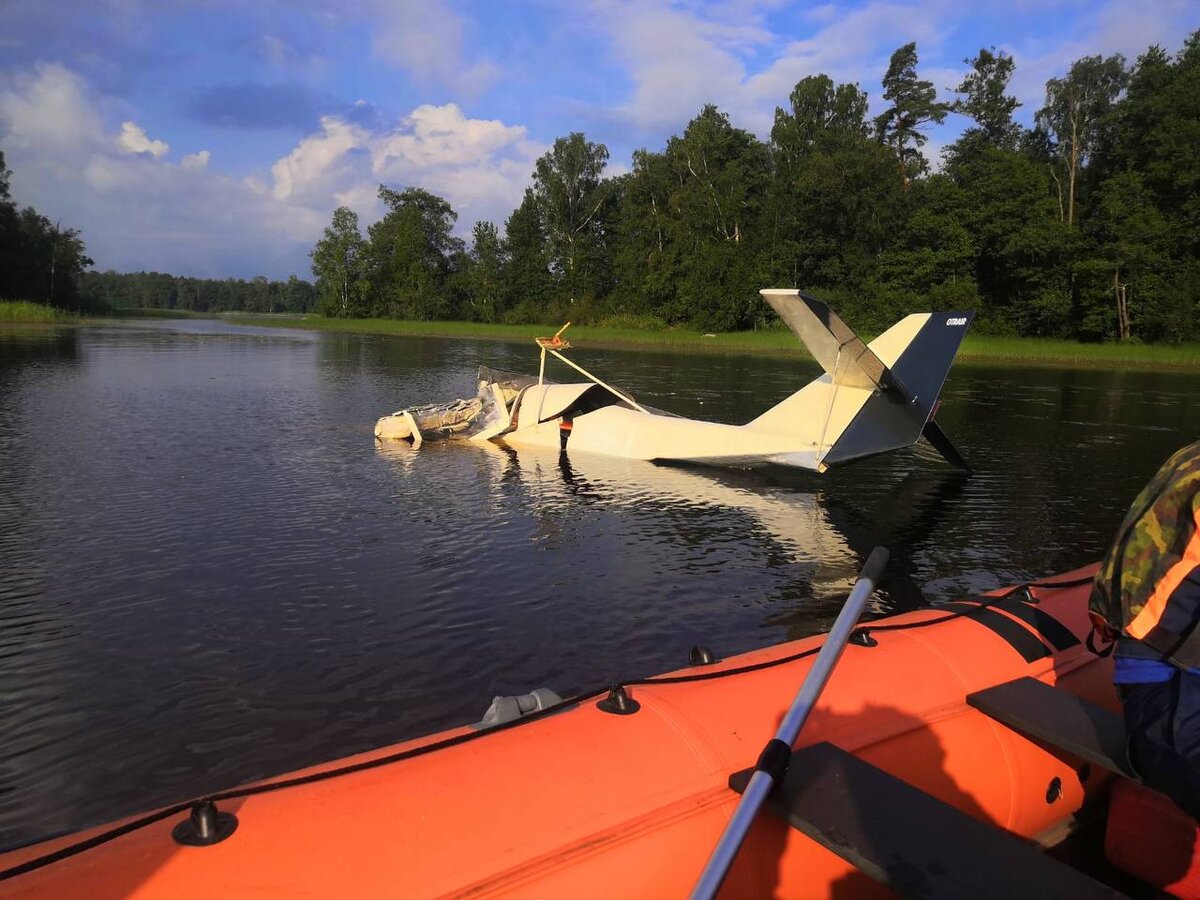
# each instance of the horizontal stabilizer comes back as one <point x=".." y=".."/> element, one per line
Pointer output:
<point x="831" y="342"/>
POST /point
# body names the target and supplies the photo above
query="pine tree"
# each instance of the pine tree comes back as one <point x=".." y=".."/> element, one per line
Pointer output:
<point x="985" y="100"/>
<point x="914" y="104"/>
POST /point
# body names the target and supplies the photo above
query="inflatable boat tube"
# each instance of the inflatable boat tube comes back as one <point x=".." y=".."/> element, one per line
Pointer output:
<point x="591" y="799"/>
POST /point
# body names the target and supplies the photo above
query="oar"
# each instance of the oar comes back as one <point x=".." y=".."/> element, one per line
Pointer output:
<point x="773" y="761"/>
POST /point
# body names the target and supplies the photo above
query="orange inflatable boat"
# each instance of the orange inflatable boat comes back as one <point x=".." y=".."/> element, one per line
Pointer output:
<point x="624" y="793"/>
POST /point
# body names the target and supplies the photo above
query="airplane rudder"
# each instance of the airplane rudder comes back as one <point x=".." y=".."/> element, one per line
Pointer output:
<point x="924" y="364"/>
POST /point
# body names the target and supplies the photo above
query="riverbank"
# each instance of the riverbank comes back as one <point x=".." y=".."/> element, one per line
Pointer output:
<point x="772" y="341"/>
<point x="22" y="312"/>
<point x="769" y="341"/>
<point x="140" y="312"/>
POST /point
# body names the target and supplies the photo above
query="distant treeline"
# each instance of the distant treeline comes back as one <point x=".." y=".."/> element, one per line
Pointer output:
<point x="46" y="263"/>
<point x="154" y="290"/>
<point x="40" y="260"/>
<point x="1085" y="226"/>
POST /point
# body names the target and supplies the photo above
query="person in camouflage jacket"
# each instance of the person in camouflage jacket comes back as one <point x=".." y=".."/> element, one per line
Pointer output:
<point x="1146" y="597"/>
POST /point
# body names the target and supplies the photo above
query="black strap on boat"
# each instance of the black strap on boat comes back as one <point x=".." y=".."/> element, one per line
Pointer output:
<point x="1014" y="633"/>
<point x="1049" y="629"/>
<point x="465" y="737"/>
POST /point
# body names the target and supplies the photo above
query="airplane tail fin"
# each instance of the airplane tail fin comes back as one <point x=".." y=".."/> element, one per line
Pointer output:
<point x="890" y="387"/>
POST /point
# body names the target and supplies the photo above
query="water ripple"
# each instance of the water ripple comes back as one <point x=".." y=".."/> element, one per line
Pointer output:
<point x="211" y="573"/>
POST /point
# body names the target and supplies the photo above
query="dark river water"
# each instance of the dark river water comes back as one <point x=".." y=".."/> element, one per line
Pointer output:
<point x="209" y="572"/>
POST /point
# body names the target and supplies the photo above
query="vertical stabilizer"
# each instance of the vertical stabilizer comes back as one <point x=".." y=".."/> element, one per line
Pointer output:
<point x="873" y="397"/>
<point x="896" y="416"/>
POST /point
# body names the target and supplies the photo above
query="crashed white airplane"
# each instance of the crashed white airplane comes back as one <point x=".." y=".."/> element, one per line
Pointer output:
<point x="872" y="398"/>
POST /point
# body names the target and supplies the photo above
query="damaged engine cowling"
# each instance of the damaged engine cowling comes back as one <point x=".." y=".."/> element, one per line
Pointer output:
<point x="435" y="421"/>
<point x="496" y="391"/>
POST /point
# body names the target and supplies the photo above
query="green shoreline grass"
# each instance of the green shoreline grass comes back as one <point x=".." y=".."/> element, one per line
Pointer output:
<point x="139" y="312"/>
<point x="22" y="312"/>
<point x="975" y="347"/>
<point x="779" y="342"/>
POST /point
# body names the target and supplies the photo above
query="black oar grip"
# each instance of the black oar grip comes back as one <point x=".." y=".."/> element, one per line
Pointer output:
<point x="774" y="760"/>
<point x="876" y="562"/>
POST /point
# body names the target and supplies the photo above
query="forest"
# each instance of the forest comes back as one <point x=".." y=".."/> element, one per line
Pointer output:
<point x="47" y="263"/>
<point x="40" y="260"/>
<point x="156" y="290"/>
<point x="1085" y="226"/>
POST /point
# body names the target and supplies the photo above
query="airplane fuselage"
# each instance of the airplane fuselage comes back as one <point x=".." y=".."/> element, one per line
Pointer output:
<point x="619" y="430"/>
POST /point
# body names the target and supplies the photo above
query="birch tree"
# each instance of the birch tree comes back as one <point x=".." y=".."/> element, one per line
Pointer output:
<point x="571" y="197"/>
<point x="1075" y="107"/>
<point x="337" y="263"/>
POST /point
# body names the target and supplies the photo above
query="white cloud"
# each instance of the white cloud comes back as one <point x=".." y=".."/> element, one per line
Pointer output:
<point x="944" y="78"/>
<point x="139" y="209"/>
<point x="275" y="50"/>
<point x="313" y="157"/>
<point x="284" y="57"/>
<point x="680" y="55"/>
<point x="826" y="12"/>
<point x="363" y="198"/>
<point x="854" y="48"/>
<point x="678" y="59"/>
<point x="438" y="136"/>
<point x="46" y="107"/>
<point x="133" y="139"/>
<point x="1117" y="27"/>
<point x="480" y="166"/>
<point x="196" y="160"/>
<point x="102" y="174"/>
<point x="135" y="208"/>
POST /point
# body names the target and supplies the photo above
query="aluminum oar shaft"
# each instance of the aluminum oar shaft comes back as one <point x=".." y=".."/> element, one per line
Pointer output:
<point x="762" y="780"/>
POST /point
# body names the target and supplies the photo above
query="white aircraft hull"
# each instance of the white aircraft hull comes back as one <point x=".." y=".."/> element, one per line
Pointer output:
<point x="623" y="432"/>
<point x="872" y="398"/>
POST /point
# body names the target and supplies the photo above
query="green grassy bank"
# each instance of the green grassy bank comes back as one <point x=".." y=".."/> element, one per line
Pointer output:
<point x="22" y="312"/>
<point x="1075" y="353"/>
<point x="769" y="341"/>
<point x="138" y="312"/>
<point x="779" y="341"/>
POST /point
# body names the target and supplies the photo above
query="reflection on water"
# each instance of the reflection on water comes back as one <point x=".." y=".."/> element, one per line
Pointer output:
<point x="211" y="573"/>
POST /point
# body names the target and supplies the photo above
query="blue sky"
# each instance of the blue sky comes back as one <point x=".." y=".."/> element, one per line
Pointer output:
<point x="215" y="138"/>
